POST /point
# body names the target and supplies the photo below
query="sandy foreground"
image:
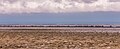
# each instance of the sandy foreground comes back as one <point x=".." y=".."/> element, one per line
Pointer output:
<point x="59" y="38"/>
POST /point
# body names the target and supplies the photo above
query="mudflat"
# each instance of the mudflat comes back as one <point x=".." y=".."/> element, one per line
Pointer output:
<point x="59" y="39"/>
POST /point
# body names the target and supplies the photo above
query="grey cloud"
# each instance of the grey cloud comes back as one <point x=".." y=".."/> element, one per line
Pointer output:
<point x="59" y="1"/>
<point x="85" y="1"/>
<point x="89" y="1"/>
<point x="10" y="1"/>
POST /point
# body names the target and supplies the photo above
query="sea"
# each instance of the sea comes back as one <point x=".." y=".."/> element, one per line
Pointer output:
<point x="61" y="18"/>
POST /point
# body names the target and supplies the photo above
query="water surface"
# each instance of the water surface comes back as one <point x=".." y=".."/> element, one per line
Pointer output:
<point x="62" y="18"/>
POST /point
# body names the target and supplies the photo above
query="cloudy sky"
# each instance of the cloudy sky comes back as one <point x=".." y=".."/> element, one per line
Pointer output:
<point x="37" y="6"/>
<point x="59" y="11"/>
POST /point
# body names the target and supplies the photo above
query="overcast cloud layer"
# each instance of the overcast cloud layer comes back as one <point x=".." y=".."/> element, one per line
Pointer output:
<point x="56" y="6"/>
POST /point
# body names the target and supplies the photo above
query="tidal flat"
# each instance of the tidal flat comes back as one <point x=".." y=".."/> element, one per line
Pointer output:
<point x="59" y="39"/>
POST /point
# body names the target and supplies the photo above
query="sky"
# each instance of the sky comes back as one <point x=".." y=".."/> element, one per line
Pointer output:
<point x="59" y="11"/>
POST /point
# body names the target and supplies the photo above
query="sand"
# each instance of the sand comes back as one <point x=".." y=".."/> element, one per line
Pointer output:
<point x="55" y="39"/>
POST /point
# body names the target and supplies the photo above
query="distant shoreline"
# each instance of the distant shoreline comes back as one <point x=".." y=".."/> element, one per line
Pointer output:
<point x="63" y="25"/>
